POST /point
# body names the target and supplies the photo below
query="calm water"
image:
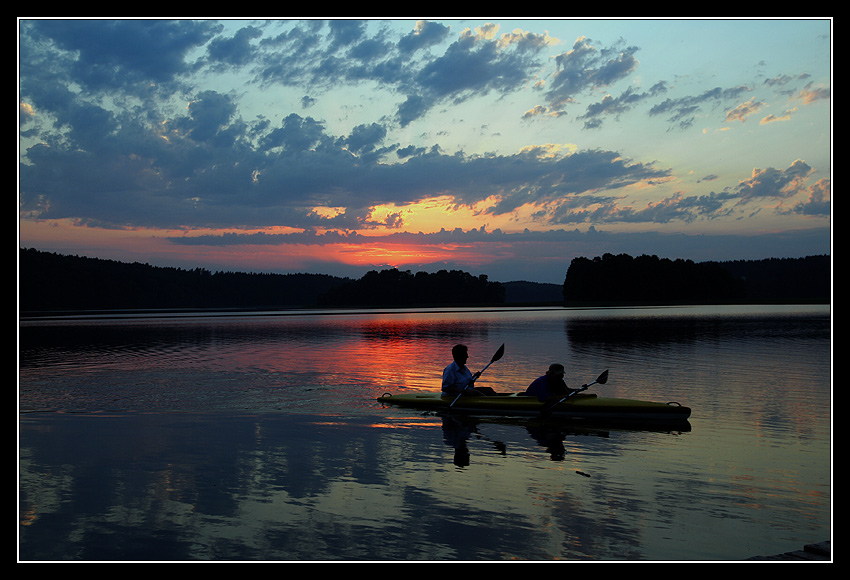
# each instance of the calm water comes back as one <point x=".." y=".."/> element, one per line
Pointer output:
<point x="258" y="437"/>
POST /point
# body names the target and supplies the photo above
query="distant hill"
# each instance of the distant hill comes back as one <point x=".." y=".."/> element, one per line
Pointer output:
<point x="522" y="292"/>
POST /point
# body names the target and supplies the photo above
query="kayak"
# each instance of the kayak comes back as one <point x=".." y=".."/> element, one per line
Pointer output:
<point x="578" y="406"/>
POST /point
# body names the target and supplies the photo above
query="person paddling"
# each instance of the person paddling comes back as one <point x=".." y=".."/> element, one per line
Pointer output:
<point x="551" y="385"/>
<point x="457" y="378"/>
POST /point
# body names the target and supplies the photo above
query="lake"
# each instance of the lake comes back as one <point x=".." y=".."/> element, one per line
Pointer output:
<point x="257" y="437"/>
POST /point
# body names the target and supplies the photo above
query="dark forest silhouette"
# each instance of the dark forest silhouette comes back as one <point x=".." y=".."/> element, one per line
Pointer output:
<point x="614" y="278"/>
<point x="402" y="288"/>
<point x="653" y="280"/>
<point x="50" y="281"/>
<point x="54" y="282"/>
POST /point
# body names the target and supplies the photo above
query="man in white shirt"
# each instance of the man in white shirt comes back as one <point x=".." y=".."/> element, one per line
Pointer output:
<point x="456" y="377"/>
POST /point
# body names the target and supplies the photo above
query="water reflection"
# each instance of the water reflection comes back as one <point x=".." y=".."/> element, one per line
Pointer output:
<point x="186" y="486"/>
<point x="458" y="430"/>
<point x="259" y="437"/>
<point x="547" y="434"/>
<point x="661" y="327"/>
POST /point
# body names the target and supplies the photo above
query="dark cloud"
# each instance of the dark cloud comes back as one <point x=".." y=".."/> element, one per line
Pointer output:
<point x="771" y="184"/>
<point x="346" y="32"/>
<point x="115" y="54"/>
<point x="476" y="65"/>
<point x="296" y="134"/>
<point x="682" y="111"/>
<point x="236" y="50"/>
<point x="775" y="183"/>
<point x="209" y="115"/>
<point x="471" y="65"/>
<point x="365" y="139"/>
<point x="200" y="176"/>
<point x="558" y="180"/>
<point x="818" y="202"/>
<point x="585" y="66"/>
<point x="121" y="135"/>
<point x="611" y="106"/>
<point x="425" y="35"/>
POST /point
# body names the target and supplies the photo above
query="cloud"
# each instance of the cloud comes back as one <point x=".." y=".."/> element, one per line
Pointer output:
<point x="557" y="237"/>
<point x="127" y="126"/>
<point x="811" y="94"/>
<point x="614" y="106"/>
<point x="682" y="111"/>
<point x="97" y="55"/>
<point x="424" y="35"/>
<point x="818" y="202"/>
<point x="586" y="66"/>
<point x="236" y="50"/>
<point x="477" y="63"/>
<point x="543" y="256"/>
<point x="744" y="110"/>
<point x="210" y="167"/>
<point x="774" y="183"/>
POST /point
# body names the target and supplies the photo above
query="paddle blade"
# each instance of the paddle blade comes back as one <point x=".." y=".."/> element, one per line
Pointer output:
<point x="603" y="378"/>
<point x="498" y="354"/>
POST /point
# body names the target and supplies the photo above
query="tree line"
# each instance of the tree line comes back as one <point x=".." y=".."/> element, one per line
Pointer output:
<point x="649" y="279"/>
<point x="395" y="287"/>
<point x="50" y="282"/>
<point x="53" y="282"/>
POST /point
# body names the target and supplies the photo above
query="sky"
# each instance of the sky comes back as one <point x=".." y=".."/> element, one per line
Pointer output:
<point x="493" y="146"/>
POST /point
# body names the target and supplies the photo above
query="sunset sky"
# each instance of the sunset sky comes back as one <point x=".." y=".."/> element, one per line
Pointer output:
<point x="498" y="147"/>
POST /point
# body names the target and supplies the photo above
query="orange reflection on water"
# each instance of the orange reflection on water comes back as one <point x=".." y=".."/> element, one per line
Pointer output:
<point x="373" y="354"/>
<point x="405" y="425"/>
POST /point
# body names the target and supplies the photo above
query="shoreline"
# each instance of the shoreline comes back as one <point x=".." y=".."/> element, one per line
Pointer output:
<point x="301" y="311"/>
<point x="819" y="552"/>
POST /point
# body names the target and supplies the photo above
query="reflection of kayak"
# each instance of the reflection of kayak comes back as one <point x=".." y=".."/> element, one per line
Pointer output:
<point x="584" y="406"/>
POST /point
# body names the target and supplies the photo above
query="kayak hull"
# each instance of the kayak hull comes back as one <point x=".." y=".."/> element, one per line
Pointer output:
<point x="579" y="406"/>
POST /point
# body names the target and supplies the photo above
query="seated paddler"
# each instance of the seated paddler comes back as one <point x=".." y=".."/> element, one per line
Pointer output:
<point x="551" y="385"/>
<point x="457" y="378"/>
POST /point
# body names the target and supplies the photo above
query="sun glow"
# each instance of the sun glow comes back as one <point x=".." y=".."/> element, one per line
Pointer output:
<point x="396" y="256"/>
<point x="437" y="213"/>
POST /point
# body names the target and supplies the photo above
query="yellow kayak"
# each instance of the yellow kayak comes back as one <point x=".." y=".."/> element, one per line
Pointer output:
<point x="579" y="405"/>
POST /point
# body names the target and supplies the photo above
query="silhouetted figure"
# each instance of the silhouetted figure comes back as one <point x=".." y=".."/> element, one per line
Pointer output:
<point x="457" y="378"/>
<point x="551" y="385"/>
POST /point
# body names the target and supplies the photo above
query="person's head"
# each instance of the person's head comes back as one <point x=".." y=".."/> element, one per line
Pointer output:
<point x="556" y="371"/>
<point x="460" y="353"/>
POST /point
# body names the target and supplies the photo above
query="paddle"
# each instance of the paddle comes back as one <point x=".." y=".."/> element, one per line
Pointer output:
<point x="496" y="357"/>
<point x="601" y="379"/>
